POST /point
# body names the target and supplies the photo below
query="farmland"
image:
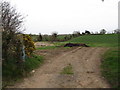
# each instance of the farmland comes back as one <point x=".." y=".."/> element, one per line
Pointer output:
<point x="85" y="58"/>
<point x="104" y="46"/>
<point x="109" y="65"/>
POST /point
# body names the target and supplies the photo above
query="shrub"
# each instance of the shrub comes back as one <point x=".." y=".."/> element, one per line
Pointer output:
<point x="29" y="44"/>
<point x="39" y="38"/>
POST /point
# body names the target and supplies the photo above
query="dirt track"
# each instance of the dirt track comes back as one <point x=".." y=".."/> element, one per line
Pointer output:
<point x="86" y="66"/>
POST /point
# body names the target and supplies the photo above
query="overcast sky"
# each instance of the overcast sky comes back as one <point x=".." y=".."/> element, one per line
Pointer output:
<point x="66" y="16"/>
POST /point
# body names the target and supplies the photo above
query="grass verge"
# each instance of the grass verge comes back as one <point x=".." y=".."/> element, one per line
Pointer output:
<point x="67" y="70"/>
<point x="110" y="67"/>
<point x="13" y="72"/>
<point x="46" y="47"/>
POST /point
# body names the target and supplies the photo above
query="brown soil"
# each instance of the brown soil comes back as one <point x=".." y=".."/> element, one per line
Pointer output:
<point x="86" y="67"/>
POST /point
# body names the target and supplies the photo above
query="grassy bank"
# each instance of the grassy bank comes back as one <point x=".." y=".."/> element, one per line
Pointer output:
<point x="110" y="67"/>
<point x="13" y="72"/>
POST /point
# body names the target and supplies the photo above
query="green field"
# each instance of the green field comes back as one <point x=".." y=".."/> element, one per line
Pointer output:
<point x="107" y="40"/>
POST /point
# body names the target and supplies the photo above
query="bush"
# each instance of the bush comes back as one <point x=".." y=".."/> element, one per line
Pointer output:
<point x="29" y="44"/>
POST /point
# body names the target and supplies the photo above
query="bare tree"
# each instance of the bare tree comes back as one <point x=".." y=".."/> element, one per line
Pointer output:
<point x="117" y="31"/>
<point x="54" y="36"/>
<point x="11" y="22"/>
<point x="87" y="32"/>
<point x="39" y="37"/>
<point x="103" y="31"/>
<point x="76" y="33"/>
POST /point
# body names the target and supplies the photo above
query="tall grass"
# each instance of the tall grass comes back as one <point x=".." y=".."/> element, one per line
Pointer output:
<point x="13" y="72"/>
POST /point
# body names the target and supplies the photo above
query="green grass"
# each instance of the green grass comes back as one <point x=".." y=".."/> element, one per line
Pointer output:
<point x="12" y="72"/>
<point x="33" y="62"/>
<point x="67" y="70"/>
<point x="46" y="47"/>
<point x="59" y="43"/>
<point x="110" y="67"/>
<point x="61" y="37"/>
<point x="107" y="40"/>
<point x="57" y="46"/>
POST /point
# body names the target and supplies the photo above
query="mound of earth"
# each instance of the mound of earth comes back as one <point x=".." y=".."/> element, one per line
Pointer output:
<point x="75" y="44"/>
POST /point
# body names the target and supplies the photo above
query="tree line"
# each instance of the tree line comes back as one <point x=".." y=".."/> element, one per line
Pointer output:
<point x="55" y="36"/>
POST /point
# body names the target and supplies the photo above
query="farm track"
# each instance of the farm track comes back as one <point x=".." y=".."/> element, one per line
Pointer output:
<point x="86" y="67"/>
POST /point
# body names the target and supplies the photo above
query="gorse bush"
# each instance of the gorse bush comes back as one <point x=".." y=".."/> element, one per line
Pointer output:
<point x="29" y="44"/>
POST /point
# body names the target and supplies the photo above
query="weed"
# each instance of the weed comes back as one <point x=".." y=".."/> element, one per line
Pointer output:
<point x="67" y="70"/>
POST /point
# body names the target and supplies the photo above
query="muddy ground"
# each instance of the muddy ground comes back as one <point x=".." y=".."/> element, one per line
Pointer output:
<point x="86" y="67"/>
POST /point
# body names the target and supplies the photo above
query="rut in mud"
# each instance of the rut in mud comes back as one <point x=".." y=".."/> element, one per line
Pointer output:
<point x="85" y="62"/>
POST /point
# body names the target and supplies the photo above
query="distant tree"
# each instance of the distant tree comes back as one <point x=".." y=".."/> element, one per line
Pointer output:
<point x="117" y="31"/>
<point x="103" y="31"/>
<point x="45" y="37"/>
<point x="30" y="35"/>
<point x="54" y="36"/>
<point x="67" y="37"/>
<point x="87" y="32"/>
<point x="102" y="0"/>
<point x="96" y="32"/>
<point x="83" y="33"/>
<point x="70" y="36"/>
<point x="76" y="33"/>
<point x="40" y="37"/>
<point x="92" y="32"/>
